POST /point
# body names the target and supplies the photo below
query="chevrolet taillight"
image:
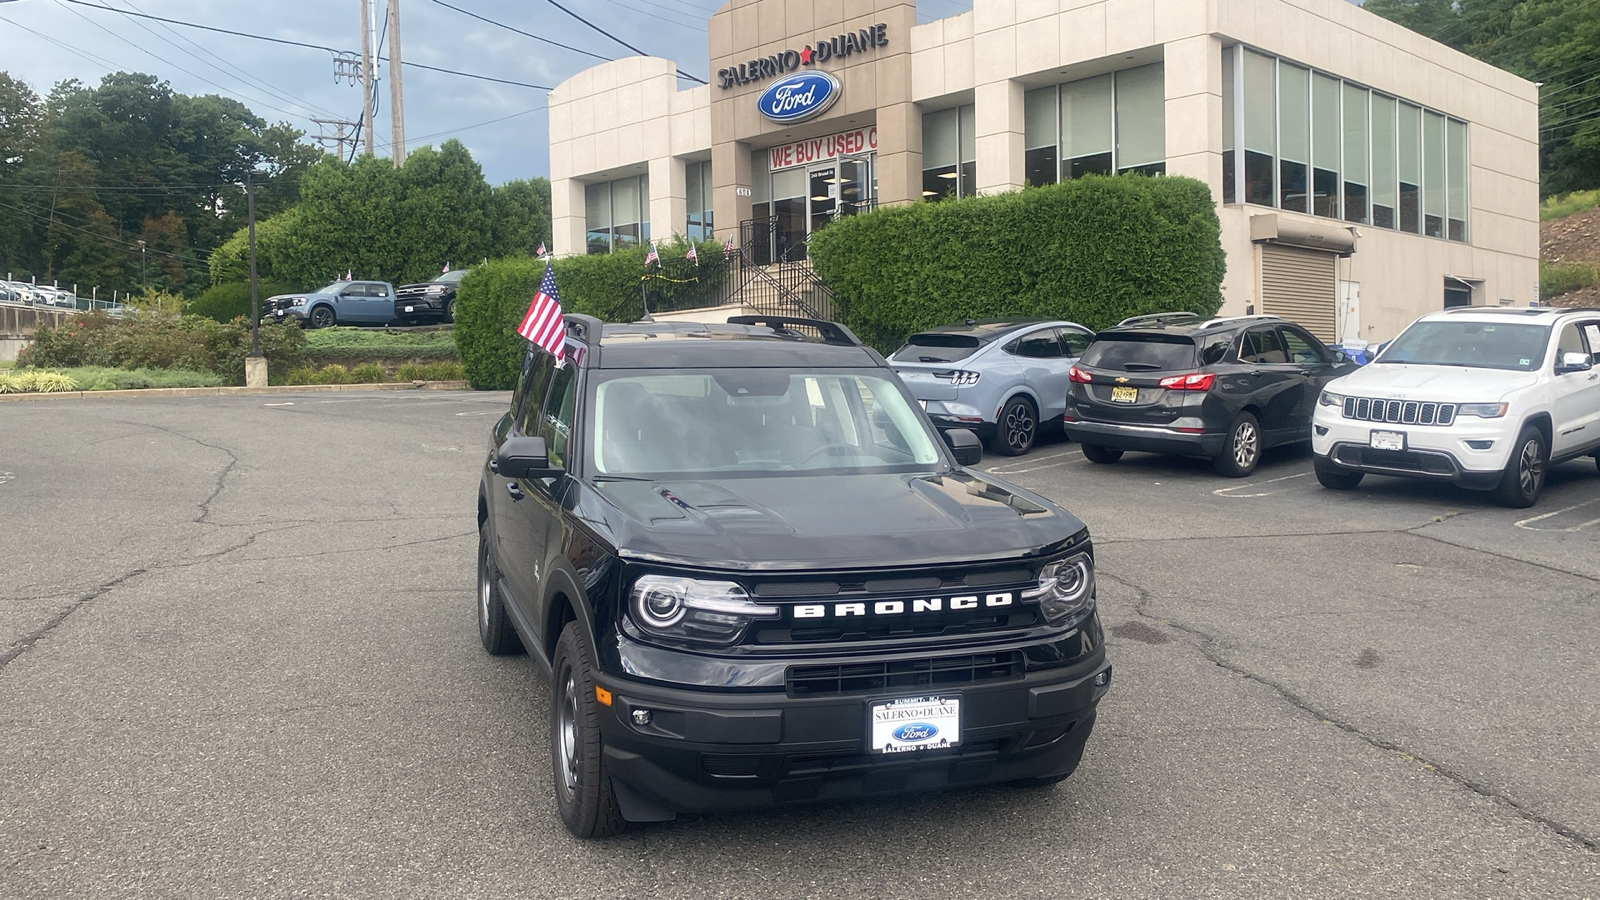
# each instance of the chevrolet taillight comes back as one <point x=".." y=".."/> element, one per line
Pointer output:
<point x="1198" y="381"/>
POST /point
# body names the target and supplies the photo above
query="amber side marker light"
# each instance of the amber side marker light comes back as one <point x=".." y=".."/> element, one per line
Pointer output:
<point x="603" y="695"/>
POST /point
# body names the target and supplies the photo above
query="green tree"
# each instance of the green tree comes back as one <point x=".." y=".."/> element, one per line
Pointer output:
<point x="520" y="216"/>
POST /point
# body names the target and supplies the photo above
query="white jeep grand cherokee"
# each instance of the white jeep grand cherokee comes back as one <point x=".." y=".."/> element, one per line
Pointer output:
<point x="1483" y="397"/>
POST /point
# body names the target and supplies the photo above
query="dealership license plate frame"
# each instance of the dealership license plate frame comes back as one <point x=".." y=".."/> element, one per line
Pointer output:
<point x="1124" y="395"/>
<point x="940" y="710"/>
<point x="411" y="309"/>
<point x="1386" y="440"/>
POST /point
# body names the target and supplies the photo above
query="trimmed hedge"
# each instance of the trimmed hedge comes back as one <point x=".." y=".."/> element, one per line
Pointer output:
<point x="494" y="297"/>
<point x="228" y="301"/>
<point x="156" y="340"/>
<point x="342" y="343"/>
<point x="1093" y="250"/>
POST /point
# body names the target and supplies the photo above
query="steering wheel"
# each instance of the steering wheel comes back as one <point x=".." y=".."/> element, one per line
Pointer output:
<point x="815" y="452"/>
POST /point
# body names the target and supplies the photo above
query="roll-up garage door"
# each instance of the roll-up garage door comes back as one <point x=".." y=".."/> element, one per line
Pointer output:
<point x="1300" y="285"/>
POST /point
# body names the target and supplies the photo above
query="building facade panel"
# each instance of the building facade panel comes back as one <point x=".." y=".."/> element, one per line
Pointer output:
<point x="1314" y="112"/>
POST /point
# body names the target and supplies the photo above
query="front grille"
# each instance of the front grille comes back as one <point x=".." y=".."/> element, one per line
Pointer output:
<point x="730" y="765"/>
<point x="899" y="628"/>
<point x="1397" y="460"/>
<point x="1399" y="412"/>
<point x="408" y="293"/>
<point x="901" y="674"/>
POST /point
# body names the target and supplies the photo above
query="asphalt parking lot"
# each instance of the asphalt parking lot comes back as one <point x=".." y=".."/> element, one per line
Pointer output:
<point x="238" y="658"/>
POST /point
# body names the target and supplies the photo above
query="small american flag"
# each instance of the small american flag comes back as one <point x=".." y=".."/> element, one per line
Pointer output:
<point x="651" y="257"/>
<point x="542" y="325"/>
<point x="727" y="248"/>
<point x="446" y="269"/>
<point x="541" y="251"/>
<point x="691" y="255"/>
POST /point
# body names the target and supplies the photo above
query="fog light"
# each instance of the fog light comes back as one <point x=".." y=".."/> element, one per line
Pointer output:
<point x="1320" y="429"/>
<point x="1480" y="445"/>
<point x="641" y="717"/>
<point x="1103" y="679"/>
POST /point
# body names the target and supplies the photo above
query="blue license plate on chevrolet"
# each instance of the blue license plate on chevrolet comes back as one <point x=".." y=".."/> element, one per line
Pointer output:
<point x="914" y="723"/>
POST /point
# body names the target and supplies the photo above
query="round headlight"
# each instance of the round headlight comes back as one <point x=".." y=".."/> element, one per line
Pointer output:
<point x="661" y="607"/>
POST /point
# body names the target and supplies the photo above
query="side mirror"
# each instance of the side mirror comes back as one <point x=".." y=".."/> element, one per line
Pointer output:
<point x="524" y="457"/>
<point x="964" y="443"/>
<point x="1573" y="362"/>
<point x="1339" y="359"/>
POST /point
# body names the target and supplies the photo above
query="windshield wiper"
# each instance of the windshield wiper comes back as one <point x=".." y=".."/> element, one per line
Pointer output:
<point x="621" y="478"/>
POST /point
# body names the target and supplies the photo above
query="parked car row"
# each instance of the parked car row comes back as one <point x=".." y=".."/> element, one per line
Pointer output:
<point x="1485" y="398"/>
<point x="368" y="303"/>
<point x="36" y="295"/>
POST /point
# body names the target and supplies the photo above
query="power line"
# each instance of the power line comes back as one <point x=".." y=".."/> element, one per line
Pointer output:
<point x="681" y="73"/>
<point x="527" y="34"/>
<point x="452" y="131"/>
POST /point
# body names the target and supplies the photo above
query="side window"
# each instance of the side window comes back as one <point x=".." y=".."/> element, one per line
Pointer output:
<point x="1571" y="342"/>
<point x="555" y="424"/>
<point x="1075" y="341"/>
<point x="536" y="385"/>
<point x="1040" y="345"/>
<point x="1591" y="331"/>
<point x="1261" y="345"/>
<point x="1216" y="350"/>
<point x="377" y="290"/>
<point x="1304" y="350"/>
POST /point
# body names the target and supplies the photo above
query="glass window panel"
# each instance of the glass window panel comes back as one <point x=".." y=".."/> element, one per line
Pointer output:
<point x="1094" y="164"/>
<point x="1294" y="136"/>
<point x="1039" y="118"/>
<point x="1433" y="174"/>
<point x="597" y="213"/>
<point x="1385" y="198"/>
<point x="1229" y="188"/>
<point x="625" y="201"/>
<point x="939" y="138"/>
<point x="789" y="183"/>
<point x="1041" y="165"/>
<point x="1356" y="145"/>
<point x="644" y="207"/>
<point x="1456" y="167"/>
<point x="1260" y="129"/>
<point x="969" y="179"/>
<point x="939" y="183"/>
<point x="968" y="139"/>
<point x="1326" y="139"/>
<point x="1141" y="117"/>
<point x="693" y="198"/>
<point x="760" y="176"/>
<point x="1409" y="135"/>
<point x="1086" y="117"/>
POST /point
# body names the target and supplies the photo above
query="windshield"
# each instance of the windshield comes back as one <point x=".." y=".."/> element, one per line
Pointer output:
<point x="452" y="276"/>
<point x="1134" y="352"/>
<point x="756" y="421"/>
<point x="333" y="288"/>
<point x="937" y="348"/>
<point x="1478" y="345"/>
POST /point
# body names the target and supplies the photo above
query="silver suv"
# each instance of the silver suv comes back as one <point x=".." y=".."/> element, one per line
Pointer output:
<point x="1484" y="397"/>
<point x="1000" y="377"/>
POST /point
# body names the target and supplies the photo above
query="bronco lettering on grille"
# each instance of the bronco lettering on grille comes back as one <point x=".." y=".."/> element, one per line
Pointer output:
<point x="902" y="607"/>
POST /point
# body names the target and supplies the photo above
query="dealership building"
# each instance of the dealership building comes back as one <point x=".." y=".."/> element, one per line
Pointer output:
<point x="1363" y="174"/>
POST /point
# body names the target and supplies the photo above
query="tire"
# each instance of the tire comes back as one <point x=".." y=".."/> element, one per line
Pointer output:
<point x="494" y="624"/>
<point x="1597" y="461"/>
<point x="1335" y="478"/>
<point x="1016" y="429"/>
<point x="449" y="311"/>
<point x="1523" y="480"/>
<point x="1103" y="455"/>
<point x="322" y="317"/>
<point x="584" y="795"/>
<point x="1241" y="452"/>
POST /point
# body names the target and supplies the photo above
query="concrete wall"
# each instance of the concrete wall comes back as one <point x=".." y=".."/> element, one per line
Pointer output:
<point x="18" y="323"/>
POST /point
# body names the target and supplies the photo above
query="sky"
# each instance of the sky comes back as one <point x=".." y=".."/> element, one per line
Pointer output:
<point x="506" y="127"/>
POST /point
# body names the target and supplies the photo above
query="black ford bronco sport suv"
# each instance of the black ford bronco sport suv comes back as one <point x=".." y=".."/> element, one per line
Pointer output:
<point x="757" y="575"/>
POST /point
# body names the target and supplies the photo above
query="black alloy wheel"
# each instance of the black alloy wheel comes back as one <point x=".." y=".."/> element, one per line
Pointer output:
<point x="323" y="317"/>
<point x="1523" y="479"/>
<point x="1242" y="449"/>
<point x="584" y="795"/>
<point x="494" y="623"/>
<point x="1335" y="478"/>
<point x="1017" y="428"/>
<point x="449" y="310"/>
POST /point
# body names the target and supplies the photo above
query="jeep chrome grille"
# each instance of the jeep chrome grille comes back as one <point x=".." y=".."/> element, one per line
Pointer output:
<point x="1399" y="412"/>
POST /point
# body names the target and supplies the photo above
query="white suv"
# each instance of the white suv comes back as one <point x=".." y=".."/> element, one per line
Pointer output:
<point x="1483" y="397"/>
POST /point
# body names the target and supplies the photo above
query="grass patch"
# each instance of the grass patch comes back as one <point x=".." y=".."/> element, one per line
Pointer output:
<point x="1562" y="205"/>
<point x="100" y="378"/>
<point x="7" y="363"/>
<point x="1556" y="279"/>
<point x="373" y="344"/>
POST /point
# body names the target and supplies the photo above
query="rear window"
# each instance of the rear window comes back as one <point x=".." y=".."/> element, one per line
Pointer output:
<point x="1140" y="352"/>
<point x="937" y="348"/>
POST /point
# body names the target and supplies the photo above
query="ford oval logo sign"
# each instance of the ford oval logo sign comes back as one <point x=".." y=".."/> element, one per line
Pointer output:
<point x="799" y="96"/>
<point x="916" y="731"/>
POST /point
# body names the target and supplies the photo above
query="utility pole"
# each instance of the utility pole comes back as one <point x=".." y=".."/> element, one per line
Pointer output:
<point x="366" y="73"/>
<point x="255" y="365"/>
<point x="397" y="104"/>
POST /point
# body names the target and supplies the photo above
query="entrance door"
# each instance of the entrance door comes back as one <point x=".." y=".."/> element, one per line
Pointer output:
<point x="824" y="195"/>
<point x="855" y="190"/>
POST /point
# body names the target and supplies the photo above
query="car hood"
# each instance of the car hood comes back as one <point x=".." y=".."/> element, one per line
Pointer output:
<point x="1444" y="384"/>
<point x="825" y="521"/>
<point x="421" y="285"/>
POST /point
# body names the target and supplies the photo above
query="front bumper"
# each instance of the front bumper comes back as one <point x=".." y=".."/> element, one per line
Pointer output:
<point x="290" y="314"/>
<point x="1470" y="452"/>
<point x="1145" y="438"/>
<point x="706" y="751"/>
<point x="419" y="306"/>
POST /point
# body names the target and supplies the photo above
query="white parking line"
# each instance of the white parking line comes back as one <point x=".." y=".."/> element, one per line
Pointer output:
<point x="1528" y="523"/>
<point x="289" y="403"/>
<point x="1063" y="459"/>
<point x="1228" y="491"/>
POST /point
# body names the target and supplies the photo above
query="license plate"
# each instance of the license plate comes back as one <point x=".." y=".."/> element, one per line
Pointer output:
<point x="1124" y="395"/>
<point x="410" y="308"/>
<point x="914" y="723"/>
<point x="278" y="313"/>
<point x="1388" y="440"/>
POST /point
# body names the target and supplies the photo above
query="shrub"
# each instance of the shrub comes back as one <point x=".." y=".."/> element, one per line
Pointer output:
<point x="1093" y="250"/>
<point x="494" y="297"/>
<point x="228" y="301"/>
<point x="162" y="340"/>
<point x="340" y="343"/>
<point x="1560" y="278"/>
<point x="334" y="374"/>
<point x="443" y="371"/>
<point x="37" y="381"/>
<point x="368" y="373"/>
<point x="1562" y="205"/>
<point x="299" y="375"/>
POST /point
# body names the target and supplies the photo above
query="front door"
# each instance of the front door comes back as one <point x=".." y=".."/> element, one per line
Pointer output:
<point x="823" y="194"/>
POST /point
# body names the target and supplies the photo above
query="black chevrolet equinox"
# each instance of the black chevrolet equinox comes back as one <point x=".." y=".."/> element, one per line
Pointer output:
<point x="757" y="575"/>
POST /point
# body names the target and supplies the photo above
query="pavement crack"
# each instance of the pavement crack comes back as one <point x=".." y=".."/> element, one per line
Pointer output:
<point x="436" y="540"/>
<point x="1207" y="647"/>
<point x="222" y="477"/>
<point x="1511" y="559"/>
<point x="27" y="641"/>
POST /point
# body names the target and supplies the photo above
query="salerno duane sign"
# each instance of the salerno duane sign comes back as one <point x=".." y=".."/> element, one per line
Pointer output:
<point x="837" y="47"/>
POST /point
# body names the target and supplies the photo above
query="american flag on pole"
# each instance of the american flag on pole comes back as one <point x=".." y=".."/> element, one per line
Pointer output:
<point x="652" y="256"/>
<point x="691" y="255"/>
<point x="542" y="325"/>
<point x="727" y="248"/>
<point x="541" y="251"/>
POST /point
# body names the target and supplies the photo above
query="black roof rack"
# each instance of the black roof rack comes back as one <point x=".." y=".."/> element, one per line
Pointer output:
<point x="832" y="332"/>
<point x="1166" y="318"/>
